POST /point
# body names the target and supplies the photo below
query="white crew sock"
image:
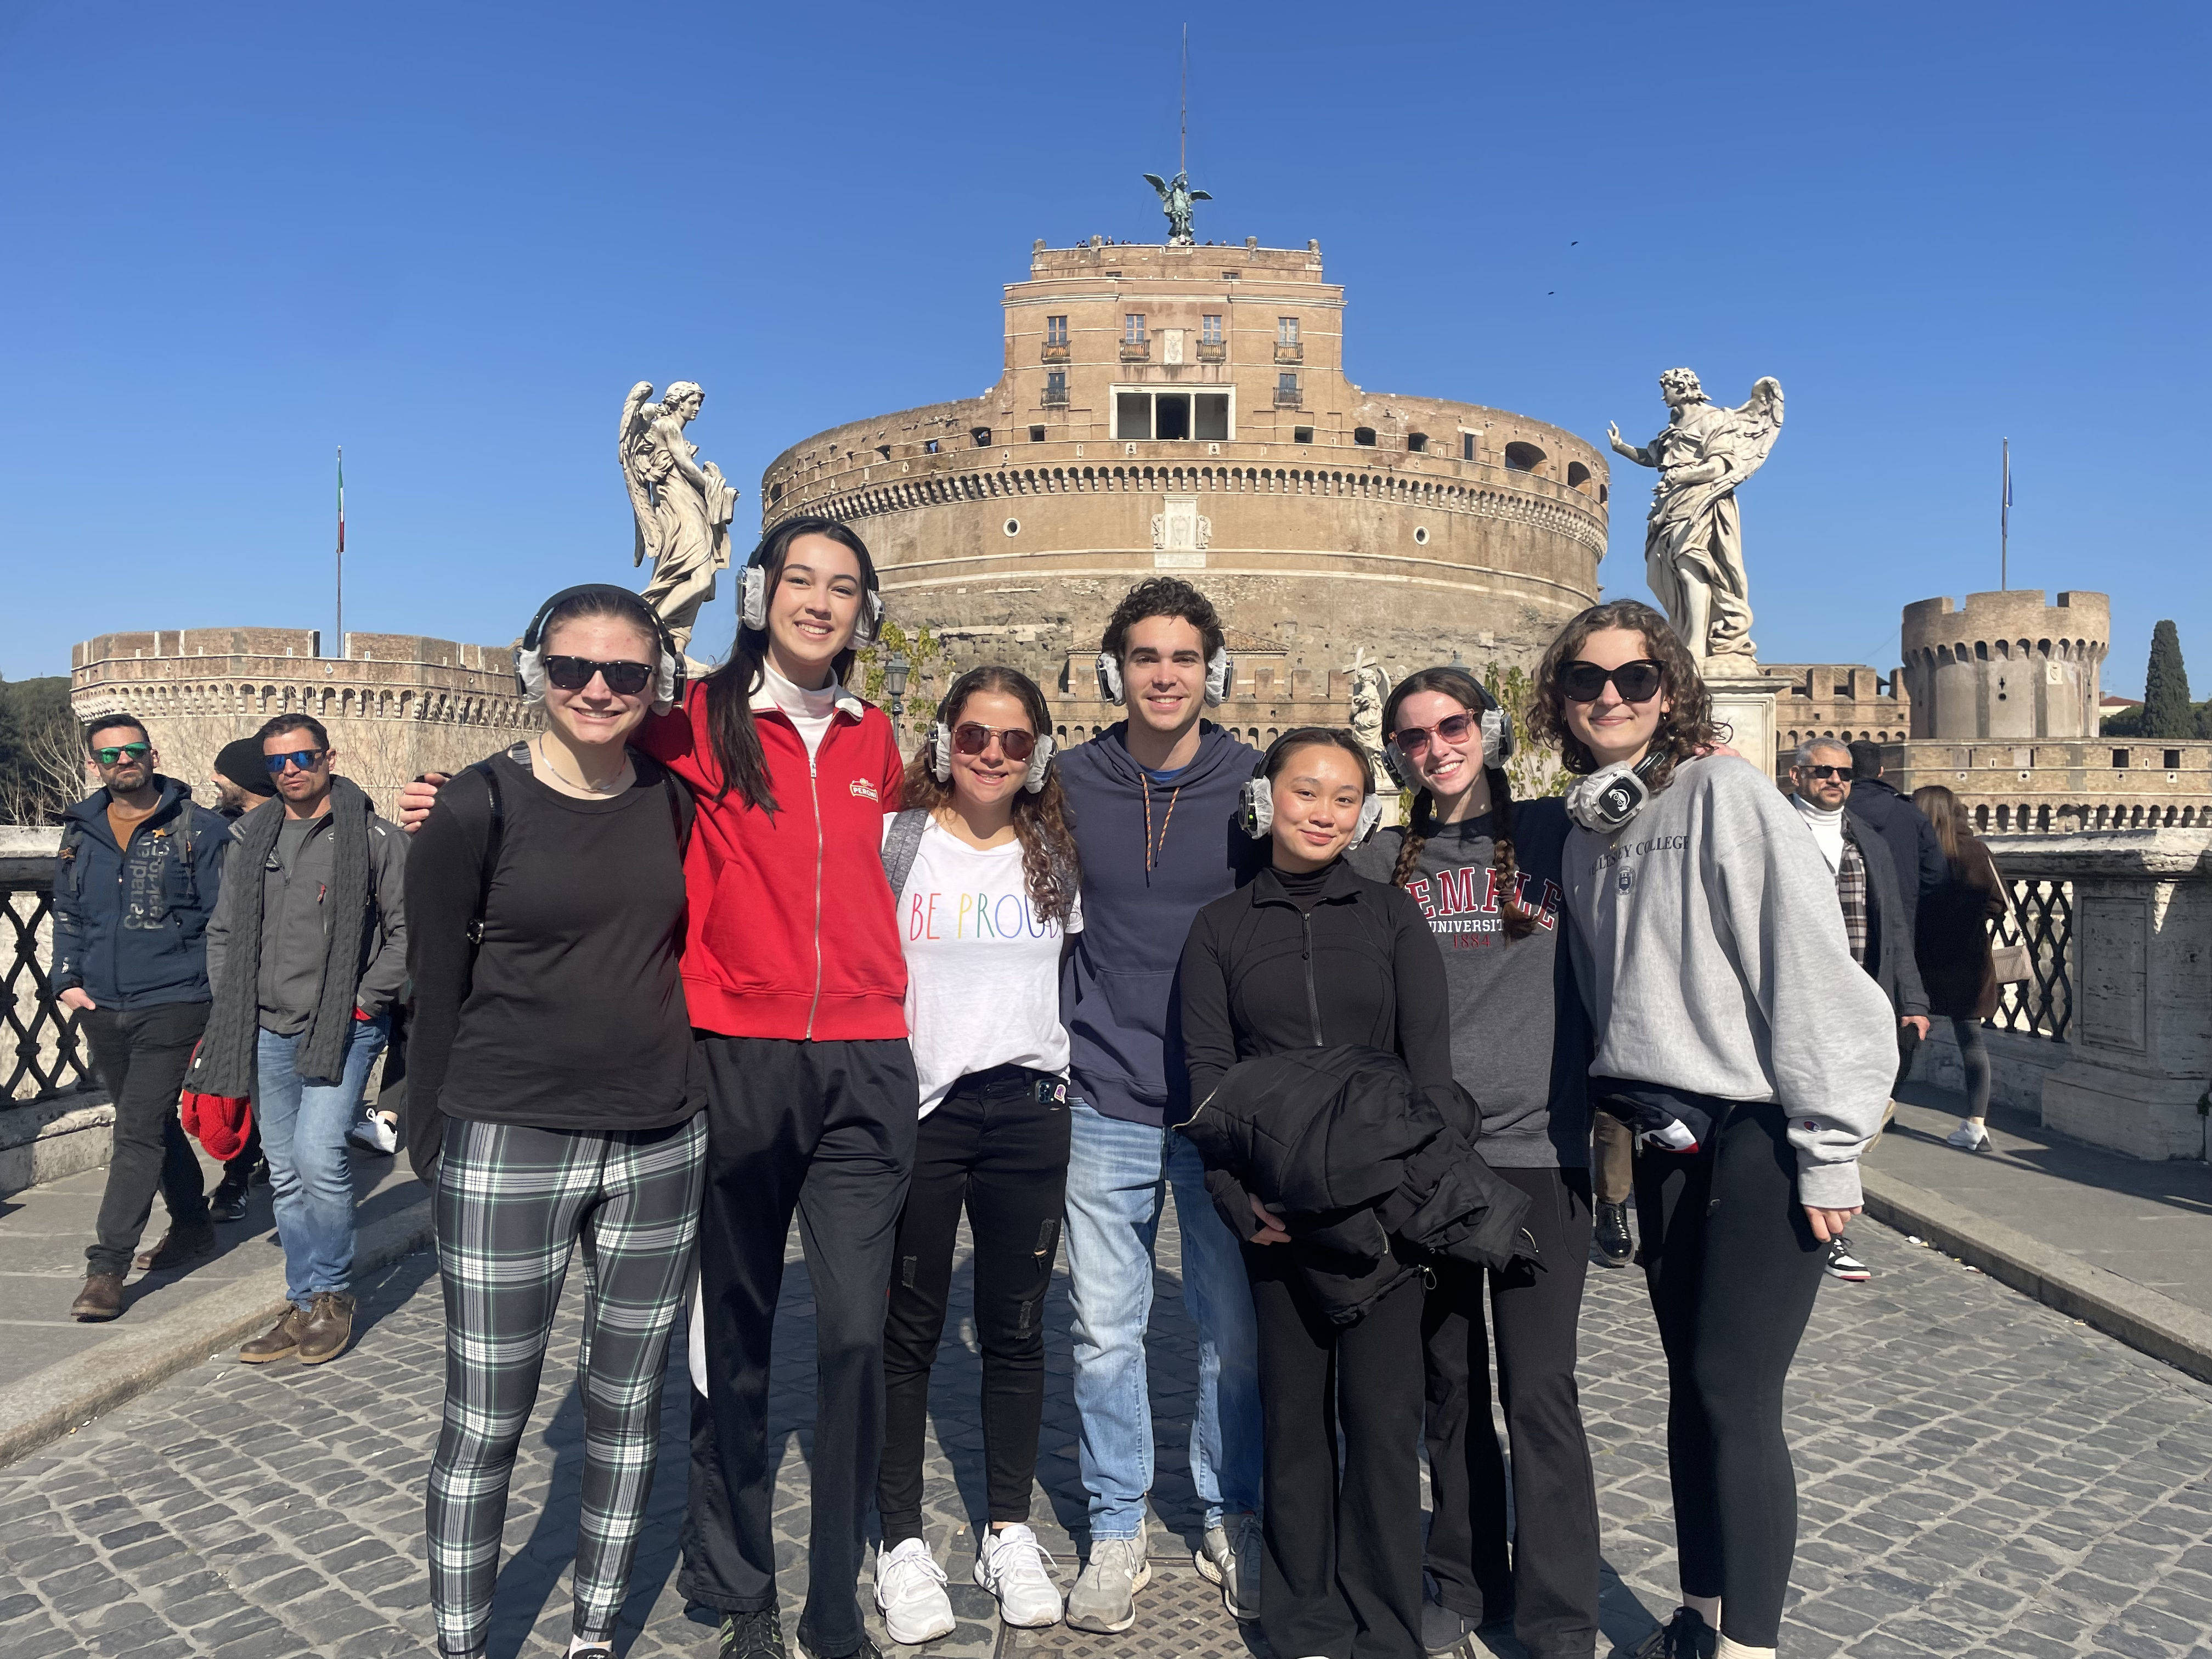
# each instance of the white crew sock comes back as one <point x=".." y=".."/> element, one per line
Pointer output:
<point x="1729" y="1648"/>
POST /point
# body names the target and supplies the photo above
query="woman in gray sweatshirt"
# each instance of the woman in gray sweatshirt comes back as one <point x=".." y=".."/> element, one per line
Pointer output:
<point x="1734" y="1029"/>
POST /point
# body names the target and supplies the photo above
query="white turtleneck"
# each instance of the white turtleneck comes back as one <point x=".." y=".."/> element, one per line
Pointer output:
<point x="1827" y="830"/>
<point x="810" y="711"/>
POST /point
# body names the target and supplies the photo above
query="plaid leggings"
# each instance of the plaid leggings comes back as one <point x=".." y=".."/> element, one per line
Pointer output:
<point x="511" y="1203"/>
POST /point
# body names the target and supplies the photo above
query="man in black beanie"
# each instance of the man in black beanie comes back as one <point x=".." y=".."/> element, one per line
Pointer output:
<point x="241" y="777"/>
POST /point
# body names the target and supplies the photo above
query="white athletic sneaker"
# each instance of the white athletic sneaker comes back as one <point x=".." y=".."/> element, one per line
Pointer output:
<point x="1104" y="1600"/>
<point x="911" y="1594"/>
<point x="1968" y="1137"/>
<point x="1010" y="1565"/>
<point x="372" y="1133"/>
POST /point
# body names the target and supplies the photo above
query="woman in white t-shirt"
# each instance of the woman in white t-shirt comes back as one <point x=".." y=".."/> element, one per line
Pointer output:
<point x="984" y="873"/>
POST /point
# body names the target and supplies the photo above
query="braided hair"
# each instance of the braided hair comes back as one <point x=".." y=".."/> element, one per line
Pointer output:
<point x="1463" y="688"/>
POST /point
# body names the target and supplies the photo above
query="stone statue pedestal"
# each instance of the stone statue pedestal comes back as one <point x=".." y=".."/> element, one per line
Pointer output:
<point x="1744" y="700"/>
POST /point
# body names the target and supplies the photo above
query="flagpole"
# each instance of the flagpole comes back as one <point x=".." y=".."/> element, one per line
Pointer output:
<point x="341" y="552"/>
<point x="2004" y="524"/>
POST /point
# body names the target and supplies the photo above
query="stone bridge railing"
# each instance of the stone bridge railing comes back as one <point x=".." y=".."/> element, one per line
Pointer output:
<point x="42" y="1052"/>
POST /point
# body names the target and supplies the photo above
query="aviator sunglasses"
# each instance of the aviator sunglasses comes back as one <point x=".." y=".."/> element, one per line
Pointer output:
<point x="624" y="679"/>
<point x="973" y="738"/>
<point x="132" y="751"/>
<point x="306" y="759"/>
<point x="1637" y="682"/>
<point x="1413" y="740"/>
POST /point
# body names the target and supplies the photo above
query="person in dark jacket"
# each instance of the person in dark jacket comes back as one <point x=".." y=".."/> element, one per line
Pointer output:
<point x="1952" y="945"/>
<point x="240" y="778"/>
<point x="1904" y="829"/>
<point x="1312" y="954"/>
<point x="138" y="875"/>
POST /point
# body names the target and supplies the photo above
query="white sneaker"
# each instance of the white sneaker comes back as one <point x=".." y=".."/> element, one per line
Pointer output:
<point x="911" y="1594"/>
<point x="1104" y="1600"/>
<point x="1968" y="1137"/>
<point x="1010" y="1565"/>
<point x="372" y="1133"/>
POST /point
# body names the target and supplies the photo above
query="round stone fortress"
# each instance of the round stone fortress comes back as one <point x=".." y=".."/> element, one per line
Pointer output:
<point x="1184" y="409"/>
<point x="2006" y="664"/>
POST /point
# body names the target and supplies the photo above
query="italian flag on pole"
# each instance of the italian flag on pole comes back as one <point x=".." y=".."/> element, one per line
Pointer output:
<point x="341" y="498"/>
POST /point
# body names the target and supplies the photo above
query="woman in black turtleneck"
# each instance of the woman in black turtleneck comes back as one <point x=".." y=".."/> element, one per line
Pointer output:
<point x="1311" y="954"/>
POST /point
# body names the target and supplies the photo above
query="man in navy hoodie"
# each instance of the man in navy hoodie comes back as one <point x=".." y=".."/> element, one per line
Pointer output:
<point x="138" y="875"/>
<point x="1152" y="803"/>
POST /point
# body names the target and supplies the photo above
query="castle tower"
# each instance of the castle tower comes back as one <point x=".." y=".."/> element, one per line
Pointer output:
<point x="2006" y="665"/>
<point x="1184" y="408"/>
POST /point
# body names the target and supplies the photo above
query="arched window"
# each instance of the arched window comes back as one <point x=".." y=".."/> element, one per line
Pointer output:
<point x="1523" y="457"/>
<point x="1364" y="435"/>
<point x="1578" y="475"/>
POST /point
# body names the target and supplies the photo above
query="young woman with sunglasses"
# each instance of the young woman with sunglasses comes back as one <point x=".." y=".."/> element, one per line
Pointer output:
<point x="796" y="988"/>
<point x="1311" y="953"/>
<point x="1734" y="1028"/>
<point x="987" y="901"/>
<point x="551" y="1100"/>
<point x="1485" y="871"/>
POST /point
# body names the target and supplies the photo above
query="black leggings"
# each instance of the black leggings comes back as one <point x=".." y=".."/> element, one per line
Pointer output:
<point x="997" y="1144"/>
<point x="1551" y="1582"/>
<point x="1733" y="1267"/>
<point x="1974" y="1060"/>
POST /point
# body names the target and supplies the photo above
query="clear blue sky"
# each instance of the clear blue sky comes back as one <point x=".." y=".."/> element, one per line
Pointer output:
<point x="449" y="237"/>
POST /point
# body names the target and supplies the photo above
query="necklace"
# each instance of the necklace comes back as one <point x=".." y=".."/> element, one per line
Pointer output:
<point x="537" y="747"/>
<point x="1153" y="853"/>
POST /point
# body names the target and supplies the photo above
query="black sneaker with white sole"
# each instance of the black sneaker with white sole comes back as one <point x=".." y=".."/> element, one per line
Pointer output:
<point x="1843" y="1265"/>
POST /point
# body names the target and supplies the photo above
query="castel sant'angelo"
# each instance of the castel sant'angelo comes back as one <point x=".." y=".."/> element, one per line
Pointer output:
<point x="1184" y="408"/>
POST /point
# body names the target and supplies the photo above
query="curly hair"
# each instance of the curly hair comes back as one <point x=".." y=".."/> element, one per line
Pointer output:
<point x="1463" y="688"/>
<point x="1685" y="729"/>
<point x="1162" y="596"/>
<point x="1048" y="861"/>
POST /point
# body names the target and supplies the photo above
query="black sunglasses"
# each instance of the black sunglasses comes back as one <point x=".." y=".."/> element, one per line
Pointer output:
<point x="133" y="751"/>
<point x="1411" y="741"/>
<point x="306" y="759"/>
<point x="624" y="679"/>
<point x="973" y="738"/>
<point x="1637" y="682"/>
<point x="1841" y="774"/>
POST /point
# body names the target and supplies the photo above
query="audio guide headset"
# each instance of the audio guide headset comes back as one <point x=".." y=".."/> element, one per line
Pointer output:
<point x="752" y="597"/>
<point x="1219" y="667"/>
<point x="938" y="750"/>
<point x="1498" y="736"/>
<point x="668" y="673"/>
<point x="1607" y="799"/>
<point x="1256" y="802"/>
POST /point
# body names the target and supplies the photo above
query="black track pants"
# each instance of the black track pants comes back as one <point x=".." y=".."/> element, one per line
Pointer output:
<point x="1733" y="1267"/>
<point x="998" y="1145"/>
<point x="1550" y="1583"/>
<point x="826" y="1130"/>
<point x="1343" y="1571"/>
<point x="141" y="1055"/>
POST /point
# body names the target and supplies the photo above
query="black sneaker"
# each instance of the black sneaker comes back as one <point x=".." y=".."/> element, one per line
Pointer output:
<point x="752" y="1636"/>
<point x="1615" y="1246"/>
<point x="1442" y="1630"/>
<point x="867" y="1650"/>
<point x="1843" y="1265"/>
<point x="226" y="1203"/>
<point x="1686" y="1636"/>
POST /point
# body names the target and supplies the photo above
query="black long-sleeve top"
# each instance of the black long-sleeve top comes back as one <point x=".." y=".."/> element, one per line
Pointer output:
<point x="1291" y="962"/>
<point x="571" y="1015"/>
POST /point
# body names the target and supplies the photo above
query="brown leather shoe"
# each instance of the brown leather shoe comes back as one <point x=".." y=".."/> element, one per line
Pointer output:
<point x="281" y="1338"/>
<point x="179" y="1248"/>
<point x="101" y="1298"/>
<point x="328" y="1332"/>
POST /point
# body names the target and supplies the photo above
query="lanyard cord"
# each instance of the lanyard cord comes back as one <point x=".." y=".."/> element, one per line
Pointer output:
<point x="1152" y="853"/>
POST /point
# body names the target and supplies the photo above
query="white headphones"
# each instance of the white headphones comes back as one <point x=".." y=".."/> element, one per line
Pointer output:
<point x="530" y="655"/>
<point x="752" y="601"/>
<point x="1256" y="802"/>
<point x="938" y="750"/>
<point x="1218" y="666"/>
<point x="1497" y="737"/>
<point x="1607" y="799"/>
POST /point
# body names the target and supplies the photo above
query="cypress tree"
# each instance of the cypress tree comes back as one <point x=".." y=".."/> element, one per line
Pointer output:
<point x="2166" y="709"/>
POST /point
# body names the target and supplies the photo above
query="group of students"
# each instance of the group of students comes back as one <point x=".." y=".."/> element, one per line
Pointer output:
<point x="695" y="958"/>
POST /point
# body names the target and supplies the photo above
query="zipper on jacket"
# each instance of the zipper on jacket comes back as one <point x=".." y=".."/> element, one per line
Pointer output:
<point x="1313" y="1002"/>
<point x="813" y="785"/>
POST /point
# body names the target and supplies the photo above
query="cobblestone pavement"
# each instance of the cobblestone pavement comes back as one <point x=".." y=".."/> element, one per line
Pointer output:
<point x="1981" y="1476"/>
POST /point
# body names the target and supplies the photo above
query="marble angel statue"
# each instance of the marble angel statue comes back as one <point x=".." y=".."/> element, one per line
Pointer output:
<point x="683" y="508"/>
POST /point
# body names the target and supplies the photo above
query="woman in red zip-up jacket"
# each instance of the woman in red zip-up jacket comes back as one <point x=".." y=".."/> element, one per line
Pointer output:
<point x="796" y="984"/>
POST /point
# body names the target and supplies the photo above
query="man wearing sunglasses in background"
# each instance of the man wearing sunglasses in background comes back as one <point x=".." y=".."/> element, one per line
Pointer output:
<point x="137" y="878"/>
<point x="303" y="963"/>
<point x="1877" y="920"/>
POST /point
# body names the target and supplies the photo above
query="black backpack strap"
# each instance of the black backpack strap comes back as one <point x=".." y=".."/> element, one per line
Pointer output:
<point x="900" y="846"/>
<point x="493" y="833"/>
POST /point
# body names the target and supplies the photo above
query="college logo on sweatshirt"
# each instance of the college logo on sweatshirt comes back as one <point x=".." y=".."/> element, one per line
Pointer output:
<point x="1466" y="901"/>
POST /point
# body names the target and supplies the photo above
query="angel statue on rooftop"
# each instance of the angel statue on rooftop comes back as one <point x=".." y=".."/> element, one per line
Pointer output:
<point x="683" y="509"/>
<point x="1693" y="538"/>
<point x="1175" y="197"/>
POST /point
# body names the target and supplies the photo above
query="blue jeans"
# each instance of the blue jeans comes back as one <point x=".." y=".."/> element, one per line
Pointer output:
<point x="1117" y="1174"/>
<point x="303" y="1129"/>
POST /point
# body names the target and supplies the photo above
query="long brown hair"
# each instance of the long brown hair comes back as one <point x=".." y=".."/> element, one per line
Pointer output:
<point x="1463" y="688"/>
<point x="1955" y="833"/>
<point x="1049" y="862"/>
<point x="1685" y="730"/>
<point x="730" y="729"/>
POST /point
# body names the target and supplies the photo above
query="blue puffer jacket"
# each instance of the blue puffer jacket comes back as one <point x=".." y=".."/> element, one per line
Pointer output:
<point x="130" y="928"/>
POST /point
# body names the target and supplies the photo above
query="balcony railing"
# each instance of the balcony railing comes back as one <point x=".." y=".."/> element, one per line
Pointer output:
<point x="1055" y="354"/>
<point x="2042" y="919"/>
<point x="1288" y="397"/>
<point x="1136" y="351"/>
<point x="1290" y="351"/>
<point x="1213" y="351"/>
<point x="1056" y="397"/>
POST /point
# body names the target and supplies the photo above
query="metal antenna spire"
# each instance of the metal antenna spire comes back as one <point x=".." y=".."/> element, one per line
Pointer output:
<point x="1183" y="144"/>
